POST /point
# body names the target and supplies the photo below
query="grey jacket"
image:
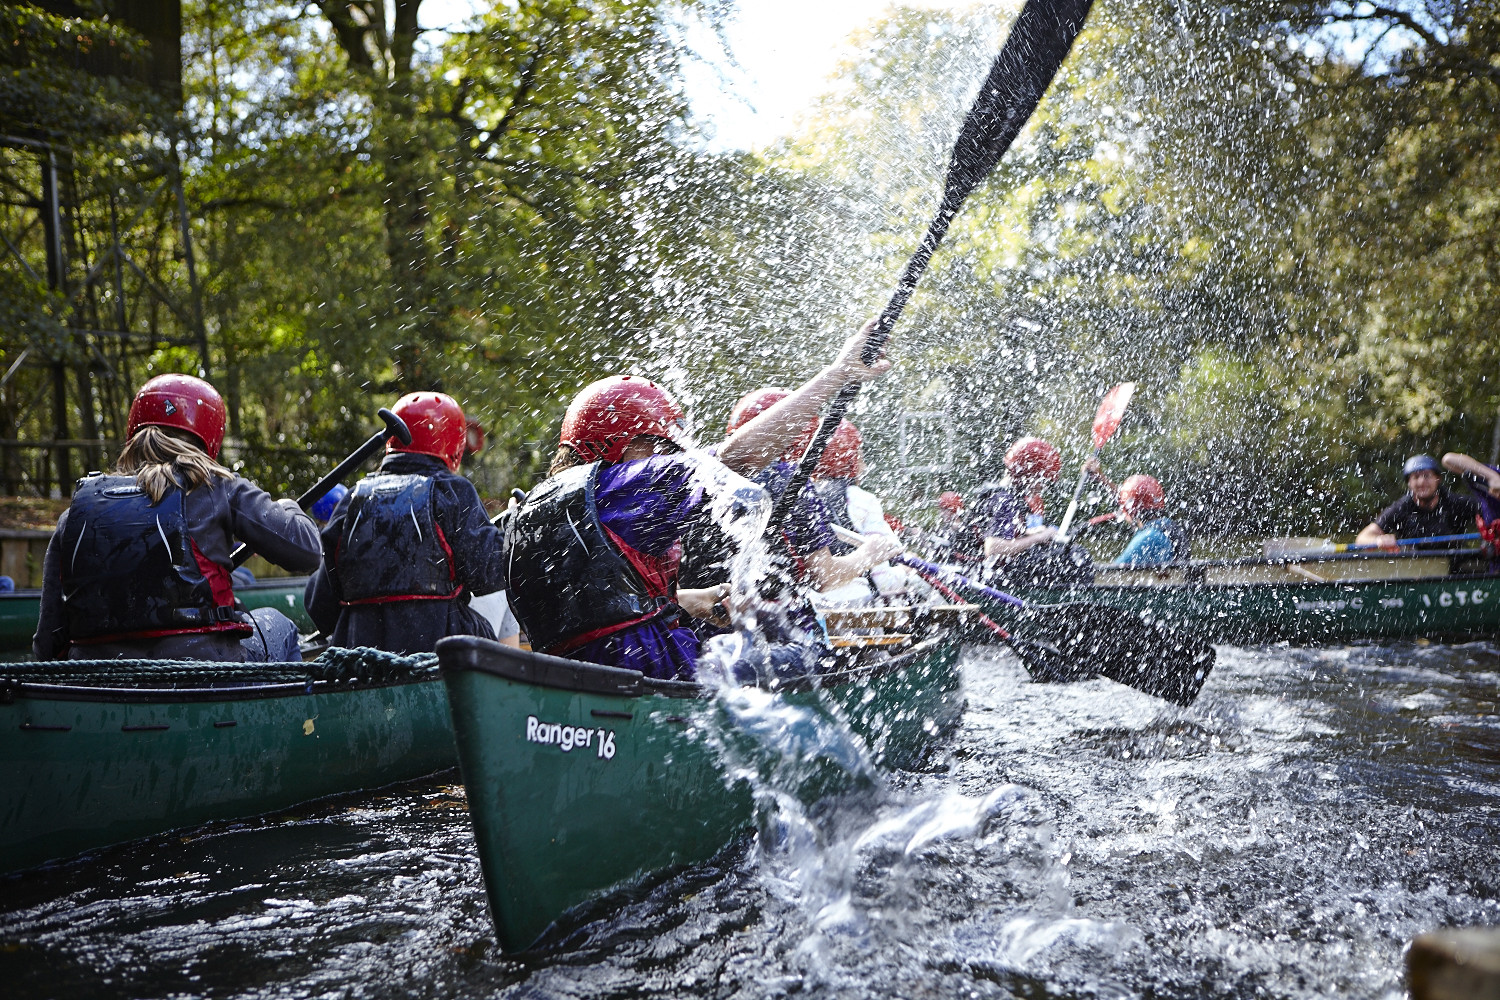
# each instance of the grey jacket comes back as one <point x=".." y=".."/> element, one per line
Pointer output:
<point x="217" y="514"/>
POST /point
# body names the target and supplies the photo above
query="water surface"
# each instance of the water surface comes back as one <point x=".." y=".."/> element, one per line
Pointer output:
<point x="1284" y="837"/>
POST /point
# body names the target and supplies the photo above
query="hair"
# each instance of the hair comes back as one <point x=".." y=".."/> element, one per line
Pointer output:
<point x="564" y="460"/>
<point x="163" y="457"/>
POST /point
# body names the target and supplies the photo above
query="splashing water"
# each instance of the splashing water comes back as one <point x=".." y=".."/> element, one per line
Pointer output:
<point x="1284" y="837"/>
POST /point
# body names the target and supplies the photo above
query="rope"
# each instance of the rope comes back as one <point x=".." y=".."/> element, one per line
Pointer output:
<point x="350" y="666"/>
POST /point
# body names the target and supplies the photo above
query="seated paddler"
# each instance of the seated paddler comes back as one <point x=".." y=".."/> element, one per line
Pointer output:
<point x="1484" y="483"/>
<point x="818" y="560"/>
<point x="140" y="567"/>
<point x="594" y="553"/>
<point x="410" y="545"/>
<point x="1427" y="510"/>
<point x="1158" y="538"/>
<point x="850" y="506"/>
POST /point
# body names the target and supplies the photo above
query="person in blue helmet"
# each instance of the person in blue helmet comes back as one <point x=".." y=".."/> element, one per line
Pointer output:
<point x="407" y="549"/>
<point x="1427" y="510"/>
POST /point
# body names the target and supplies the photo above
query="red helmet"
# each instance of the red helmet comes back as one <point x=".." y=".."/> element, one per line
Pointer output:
<point x="1141" y="493"/>
<point x="753" y="404"/>
<point x="610" y="413"/>
<point x="1033" y="458"/>
<point x="841" y="459"/>
<point x="184" y="402"/>
<point x="436" y="422"/>
<point x="950" y="502"/>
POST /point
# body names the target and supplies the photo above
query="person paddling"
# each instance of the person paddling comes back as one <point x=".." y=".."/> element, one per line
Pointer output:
<point x="406" y="550"/>
<point x="139" y="566"/>
<point x="1484" y="483"/>
<point x="819" y="560"/>
<point x="836" y="480"/>
<point x="1427" y="510"/>
<point x="594" y="551"/>
<point x="1157" y="539"/>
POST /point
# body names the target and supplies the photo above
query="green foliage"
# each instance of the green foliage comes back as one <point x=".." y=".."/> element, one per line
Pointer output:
<point x="1278" y="217"/>
<point x="482" y="216"/>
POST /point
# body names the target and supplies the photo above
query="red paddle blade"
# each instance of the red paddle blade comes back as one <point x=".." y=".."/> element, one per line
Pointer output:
<point x="1111" y="412"/>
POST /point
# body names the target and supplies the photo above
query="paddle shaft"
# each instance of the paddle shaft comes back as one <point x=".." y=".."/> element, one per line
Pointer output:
<point x="953" y="595"/>
<point x="1472" y="536"/>
<point x="1035" y="48"/>
<point x="923" y="566"/>
<point x="1067" y="521"/>
<point x="394" y="427"/>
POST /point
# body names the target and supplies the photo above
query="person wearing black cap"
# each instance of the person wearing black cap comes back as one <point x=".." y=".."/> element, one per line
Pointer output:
<point x="1426" y="511"/>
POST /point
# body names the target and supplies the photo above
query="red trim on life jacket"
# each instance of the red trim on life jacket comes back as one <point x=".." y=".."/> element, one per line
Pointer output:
<point x="220" y="582"/>
<point x="797" y="560"/>
<point x="240" y="628"/>
<point x="447" y="551"/>
<point x="396" y="598"/>
<point x="579" y="641"/>
<point x="658" y="573"/>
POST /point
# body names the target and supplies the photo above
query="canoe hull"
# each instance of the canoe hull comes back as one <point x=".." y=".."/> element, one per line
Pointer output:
<point x="1460" y="608"/>
<point x="586" y="779"/>
<point x="85" y="768"/>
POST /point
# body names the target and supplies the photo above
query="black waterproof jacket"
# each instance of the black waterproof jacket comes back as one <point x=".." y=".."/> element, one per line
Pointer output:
<point x="414" y="626"/>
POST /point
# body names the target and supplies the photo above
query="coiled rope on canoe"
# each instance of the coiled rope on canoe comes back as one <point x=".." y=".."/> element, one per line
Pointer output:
<point x="343" y="666"/>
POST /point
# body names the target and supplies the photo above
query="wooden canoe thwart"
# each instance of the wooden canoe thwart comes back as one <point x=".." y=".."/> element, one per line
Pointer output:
<point x="582" y="778"/>
<point x="98" y="753"/>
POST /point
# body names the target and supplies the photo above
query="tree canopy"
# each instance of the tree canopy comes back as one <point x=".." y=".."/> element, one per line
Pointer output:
<point x="1279" y="217"/>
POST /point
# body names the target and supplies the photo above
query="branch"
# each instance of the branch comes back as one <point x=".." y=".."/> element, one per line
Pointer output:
<point x="351" y="35"/>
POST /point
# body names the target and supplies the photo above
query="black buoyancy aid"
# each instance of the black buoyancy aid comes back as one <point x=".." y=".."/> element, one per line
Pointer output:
<point x="570" y="579"/>
<point x="835" y="496"/>
<point x="1180" y="538"/>
<point x="392" y="547"/>
<point x="130" y="569"/>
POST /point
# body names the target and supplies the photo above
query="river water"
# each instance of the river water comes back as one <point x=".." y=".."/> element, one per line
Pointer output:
<point x="1284" y="837"/>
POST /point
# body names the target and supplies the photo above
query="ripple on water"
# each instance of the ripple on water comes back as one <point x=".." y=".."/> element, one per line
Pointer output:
<point x="1283" y="837"/>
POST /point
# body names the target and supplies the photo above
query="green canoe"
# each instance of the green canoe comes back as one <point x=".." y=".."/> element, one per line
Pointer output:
<point x="1314" y="598"/>
<point x="583" y="778"/>
<point x="18" y="610"/>
<point x="94" y="753"/>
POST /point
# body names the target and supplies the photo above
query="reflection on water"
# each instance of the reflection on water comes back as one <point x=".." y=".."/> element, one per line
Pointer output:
<point x="1285" y="837"/>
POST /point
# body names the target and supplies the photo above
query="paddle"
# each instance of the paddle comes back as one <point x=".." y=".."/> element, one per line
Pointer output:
<point x="1045" y="664"/>
<point x="1293" y="547"/>
<point x="1095" y="637"/>
<point x="1106" y="422"/>
<point x="1472" y="536"/>
<point x="394" y="427"/>
<point x="1035" y="48"/>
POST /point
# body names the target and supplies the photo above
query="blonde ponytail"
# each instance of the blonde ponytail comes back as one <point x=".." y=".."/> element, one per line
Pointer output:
<point x="161" y="458"/>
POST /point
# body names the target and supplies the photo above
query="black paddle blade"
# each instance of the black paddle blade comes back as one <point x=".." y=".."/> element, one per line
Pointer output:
<point x="1094" y="638"/>
<point x="1038" y="43"/>
<point x="1047" y="664"/>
